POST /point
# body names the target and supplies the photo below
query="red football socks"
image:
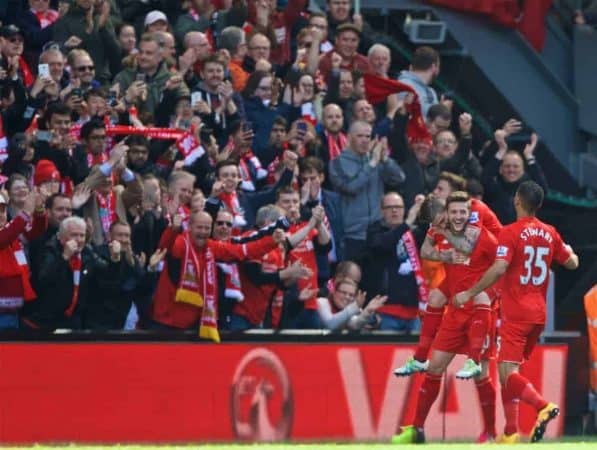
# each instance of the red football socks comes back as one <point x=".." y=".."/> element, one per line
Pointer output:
<point x="478" y="331"/>
<point x="431" y="322"/>
<point x="522" y="388"/>
<point x="510" y="411"/>
<point x="427" y="395"/>
<point x="486" y="391"/>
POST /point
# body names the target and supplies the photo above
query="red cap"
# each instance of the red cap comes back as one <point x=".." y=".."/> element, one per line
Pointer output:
<point x="45" y="171"/>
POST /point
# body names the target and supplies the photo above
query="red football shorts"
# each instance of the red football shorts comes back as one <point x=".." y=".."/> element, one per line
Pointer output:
<point x="516" y="341"/>
<point x="453" y="335"/>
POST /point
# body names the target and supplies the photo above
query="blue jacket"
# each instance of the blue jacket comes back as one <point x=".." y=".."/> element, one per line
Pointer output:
<point x="262" y="118"/>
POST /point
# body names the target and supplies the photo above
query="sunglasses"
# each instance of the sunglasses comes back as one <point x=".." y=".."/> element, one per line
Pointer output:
<point x="222" y="223"/>
<point x="85" y="68"/>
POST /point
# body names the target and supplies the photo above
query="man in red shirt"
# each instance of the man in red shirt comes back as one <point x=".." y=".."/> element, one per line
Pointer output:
<point x="467" y="251"/>
<point x="525" y="251"/>
<point x="346" y="45"/>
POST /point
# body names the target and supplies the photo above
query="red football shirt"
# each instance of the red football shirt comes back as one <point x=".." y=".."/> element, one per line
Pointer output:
<point x="481" y="214"/>
<point x="460" y="277"/>
<point x="528" y="246"/>
<point x="305" y="253"/>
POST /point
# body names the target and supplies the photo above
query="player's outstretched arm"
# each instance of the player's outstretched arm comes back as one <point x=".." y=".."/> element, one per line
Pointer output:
<point x="490" y="277"/>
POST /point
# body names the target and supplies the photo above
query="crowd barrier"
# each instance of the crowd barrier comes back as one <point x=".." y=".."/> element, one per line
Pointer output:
<point x="175" y="392"/>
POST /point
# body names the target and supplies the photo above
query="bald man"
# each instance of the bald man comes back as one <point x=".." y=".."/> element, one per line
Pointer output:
<point x="187" y="293"/>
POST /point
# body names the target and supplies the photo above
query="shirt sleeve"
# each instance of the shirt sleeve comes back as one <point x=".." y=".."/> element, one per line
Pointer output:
<point x="506" y="244"/>
<point x="560" y="252"/>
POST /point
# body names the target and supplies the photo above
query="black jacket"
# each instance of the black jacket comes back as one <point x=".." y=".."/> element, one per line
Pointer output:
<point x="499" y="194"/>
<point x="388" y="270"/>
<point x="55" y="286"/>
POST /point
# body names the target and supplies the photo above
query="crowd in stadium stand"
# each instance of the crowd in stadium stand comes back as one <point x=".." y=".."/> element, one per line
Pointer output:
<point x="221" y="165"/>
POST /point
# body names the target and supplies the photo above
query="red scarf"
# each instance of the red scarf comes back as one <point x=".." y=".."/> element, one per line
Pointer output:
<point x="75" y="264"/>
<point x="232" y="204"/>
<point x="190" y="148"/>
<point x="107" y="210"/>
<point x="233" y="288"/>
<point x="28" y="77"/>
<point x="411" y="248"/>
<point x="46" y="18"/>
<point x="377" y="90"/>
<point x="198" y="287"/>
<point x="93" y="160"/>
<point x="335" y="144"/>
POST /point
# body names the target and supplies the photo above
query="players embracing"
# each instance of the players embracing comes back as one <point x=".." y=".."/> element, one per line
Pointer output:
<point x="474" y="262"/>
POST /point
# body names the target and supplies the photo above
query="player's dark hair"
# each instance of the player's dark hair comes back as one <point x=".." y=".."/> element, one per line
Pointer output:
<point x="531" y="196"/>
<point x="285" y="190"/>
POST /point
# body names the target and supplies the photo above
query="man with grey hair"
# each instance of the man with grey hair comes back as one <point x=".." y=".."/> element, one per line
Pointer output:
<point x="359" y="175"/>
<point x="233" y="40"/>
<point x="380" y="59"/>
<point x="67" y="276"/>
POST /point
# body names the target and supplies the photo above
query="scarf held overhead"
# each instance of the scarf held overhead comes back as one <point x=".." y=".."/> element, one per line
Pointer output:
<point x="377" y="90"/>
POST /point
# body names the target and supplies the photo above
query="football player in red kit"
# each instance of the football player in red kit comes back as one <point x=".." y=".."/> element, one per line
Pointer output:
<point x="524" y="254"/>
<point x="466" y="329"/>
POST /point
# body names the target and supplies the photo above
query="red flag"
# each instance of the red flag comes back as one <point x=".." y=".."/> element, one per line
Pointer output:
<point x="377" y="90"/>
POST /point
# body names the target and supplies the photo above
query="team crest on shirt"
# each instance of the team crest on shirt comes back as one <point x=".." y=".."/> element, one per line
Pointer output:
<point x="502" y="251"/>
<point x="474" y="218"/>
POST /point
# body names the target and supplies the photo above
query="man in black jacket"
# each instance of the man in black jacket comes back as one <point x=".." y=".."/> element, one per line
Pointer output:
<point x="394" y="268"/>
<point x="67" y="275"/>
<point x="505" y="172"/>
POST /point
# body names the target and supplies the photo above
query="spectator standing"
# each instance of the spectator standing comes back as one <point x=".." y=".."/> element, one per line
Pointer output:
<point x="394" y="268"/>
<point x="424" y="68"/>
<point x="506" y="171"/>
<point x="81" y="26"/>
<point x="359" y="175"/>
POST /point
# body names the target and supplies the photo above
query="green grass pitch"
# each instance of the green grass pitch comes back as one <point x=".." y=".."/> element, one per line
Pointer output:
<point x="580" y="443"/>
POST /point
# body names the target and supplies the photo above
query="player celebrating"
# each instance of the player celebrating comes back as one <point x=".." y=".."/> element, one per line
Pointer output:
<point x="432" y="318"/>
<point x="464" y="329"/>
<point x="525" y="251"/>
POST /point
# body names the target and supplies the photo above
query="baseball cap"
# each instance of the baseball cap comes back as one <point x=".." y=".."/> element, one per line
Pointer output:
<point x="11" y="30"/>
<point x="155" y="16"/>
<point x="348" y="27"/>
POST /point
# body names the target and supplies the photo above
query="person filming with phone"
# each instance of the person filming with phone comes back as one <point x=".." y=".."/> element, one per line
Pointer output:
<point x="150" y="84"/>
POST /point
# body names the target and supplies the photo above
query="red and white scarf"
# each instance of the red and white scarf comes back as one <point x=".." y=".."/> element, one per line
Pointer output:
<point x="45" y="18"/>
<point x="93" y="160"/>
<point x="335" y="144"/>
<point x="230" y="201"/>
<point x="246" y="160"/>
<point x="107" y="210"/>
<point x="190" y="148"/>
<point x="75" y="264"/>
<point x="411" y="248"/>
<point x="198" y="287"/>
<point x="233" y="288"/>
<point x="308" y="113"/>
